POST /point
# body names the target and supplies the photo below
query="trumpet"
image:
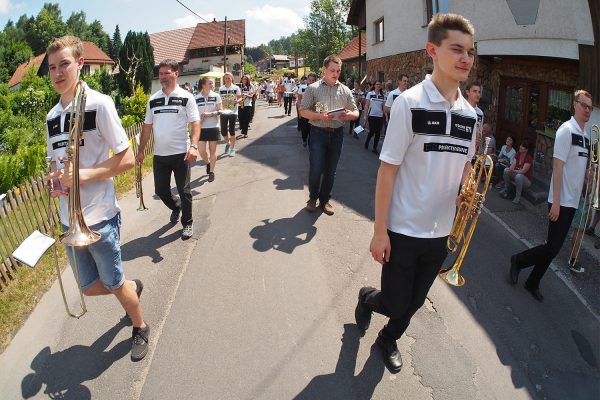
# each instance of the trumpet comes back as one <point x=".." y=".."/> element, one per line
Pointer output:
<point x="78" y="234"/>
<point x="468" y="214"/>
<point x="593" y="189"/>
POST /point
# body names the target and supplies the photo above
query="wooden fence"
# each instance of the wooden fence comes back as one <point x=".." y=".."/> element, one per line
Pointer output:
<point x="28" y="207"/>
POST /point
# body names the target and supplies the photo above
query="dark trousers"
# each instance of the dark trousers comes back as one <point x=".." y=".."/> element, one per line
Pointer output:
<point x="375" y="124"/>
<point x="245" y="114"/>
<point x="287" y="105"/>
<point x="304" y="128"/>
<point x="252" y="110"/>
<point x="228" y="124"/>
<point x="354" y="123"/>
<point x="405" y="280"/>
<point x="541" y="256"/>
<point x="163" y="167"/>
<point x="325" y="149"/>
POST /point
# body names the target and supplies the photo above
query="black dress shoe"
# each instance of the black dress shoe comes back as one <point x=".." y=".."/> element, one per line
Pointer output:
<point x="535" y="292"/>
<point x="362" y="314"/>
<point x="514" y="270"/>
<point x="391" y="355"/>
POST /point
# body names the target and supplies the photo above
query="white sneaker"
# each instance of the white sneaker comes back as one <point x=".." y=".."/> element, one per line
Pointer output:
<point x="188" y="231"/>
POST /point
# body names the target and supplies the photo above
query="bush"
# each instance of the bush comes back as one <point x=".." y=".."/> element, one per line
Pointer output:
<point x="133" y="108"/>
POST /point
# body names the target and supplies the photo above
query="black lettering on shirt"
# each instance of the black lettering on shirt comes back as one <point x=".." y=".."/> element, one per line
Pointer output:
<point x="178" y="101"/>
<point x="461" y="126"/>
<point x="167" y="111"/>
<point x="445" y="148"/>
<point x="213" y="99"/>
<point x="200" y="100"/>
<point x="157" y="102"/>
<point x="428" y="122"/>
<point x="579" y="141"/>
<point x="54" y="126"/>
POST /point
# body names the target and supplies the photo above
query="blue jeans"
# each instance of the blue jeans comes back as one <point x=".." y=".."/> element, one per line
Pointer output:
<point x="325" y="149"/>
<point x="101" y="260"/>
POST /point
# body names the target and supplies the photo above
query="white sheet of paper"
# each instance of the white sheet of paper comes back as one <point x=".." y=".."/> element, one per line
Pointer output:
<point x="33" y="248"/>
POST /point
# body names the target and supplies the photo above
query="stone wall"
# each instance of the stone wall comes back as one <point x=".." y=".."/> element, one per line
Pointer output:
<point x="415" y="64"/>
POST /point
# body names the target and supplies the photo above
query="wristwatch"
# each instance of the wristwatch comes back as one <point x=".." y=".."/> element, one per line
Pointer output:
<point x="194" y="146"/>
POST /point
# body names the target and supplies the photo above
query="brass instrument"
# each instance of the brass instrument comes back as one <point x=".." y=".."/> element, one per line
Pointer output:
<point x="78" y="234"/>
<point x="593" y="188"/>
<point x="228" y="100"/>
<point x="139" y="191"/>
<point x="468" y="214"/>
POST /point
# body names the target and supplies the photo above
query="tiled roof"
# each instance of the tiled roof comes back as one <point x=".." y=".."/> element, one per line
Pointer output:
<point x="92" y="54"/>
<point x="171" y="44"/>
<point x="211" y="34"/>
<point x="351" y="50"/>
<point x="22" y="69"/>
<point x="280" y="57"/>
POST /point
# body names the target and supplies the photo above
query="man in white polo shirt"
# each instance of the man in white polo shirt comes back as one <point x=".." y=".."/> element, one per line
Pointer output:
<point x="402" y="86"/>
<point x="424" y="159"/>
<point x="168" y="114"/>
<point x="571" y="152"/>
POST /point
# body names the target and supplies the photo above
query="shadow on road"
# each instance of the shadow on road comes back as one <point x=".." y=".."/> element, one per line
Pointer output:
<point x="64" y="372"/>
<point x="289" y="183"/>
<point x="342" y="384"/>
<point x="148" y="246"/>
<point x="285" y="234"/>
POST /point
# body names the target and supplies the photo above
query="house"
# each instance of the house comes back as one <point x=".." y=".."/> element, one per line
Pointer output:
<point x="353" y="57"/>
<point x="201" y="49"/>
<point x="280" y="61"/>
<point x="531" y="56"/>
<point x="94" y="59"/>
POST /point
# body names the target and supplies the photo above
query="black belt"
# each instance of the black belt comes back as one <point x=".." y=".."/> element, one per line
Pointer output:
<point x="330" y="130"/>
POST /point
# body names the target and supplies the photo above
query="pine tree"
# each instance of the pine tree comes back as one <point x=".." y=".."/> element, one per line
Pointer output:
<point x="116" y="44"/>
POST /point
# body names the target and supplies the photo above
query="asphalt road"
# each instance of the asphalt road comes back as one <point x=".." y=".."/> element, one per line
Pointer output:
<point x="259" y="304"/>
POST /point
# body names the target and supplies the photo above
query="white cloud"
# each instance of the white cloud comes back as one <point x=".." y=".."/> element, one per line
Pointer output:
<point x="268" y="22"/>
<point x="5" y="6"/>
<point x="191" y="20"/>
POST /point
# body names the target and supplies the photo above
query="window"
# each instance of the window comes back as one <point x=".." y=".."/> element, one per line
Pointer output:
<point x="381" y="77"/>
<point x="379" y="31"/>
<point x="559" y="109"/>
<point x="86" y="70"/>
<point x="433" y="7"/>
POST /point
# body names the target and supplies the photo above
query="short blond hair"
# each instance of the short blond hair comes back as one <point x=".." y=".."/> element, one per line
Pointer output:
<point x="581" y="92"/>
<point x="64" y="42"/>
<point x="440" y="24"/>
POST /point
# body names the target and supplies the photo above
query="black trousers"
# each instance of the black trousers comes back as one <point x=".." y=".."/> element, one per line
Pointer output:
<point x="304" y="128"/>
<point x="228" y="124"/>
<point x="405" y="280"/>
<point x="540" y="257"/>
<point x="354" y="123"/>
<point x="375" y="124"/>
<point x="287" y="105"/>
<point x="175" y="164"/>
<point x="253" y="105"/>
<point x="244" y="115"/>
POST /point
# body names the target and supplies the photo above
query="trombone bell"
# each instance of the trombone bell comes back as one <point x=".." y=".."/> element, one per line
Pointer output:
<point x="452" y="277"/>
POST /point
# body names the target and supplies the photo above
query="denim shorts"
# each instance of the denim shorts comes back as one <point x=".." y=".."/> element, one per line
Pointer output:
<point x="101" y="260"/>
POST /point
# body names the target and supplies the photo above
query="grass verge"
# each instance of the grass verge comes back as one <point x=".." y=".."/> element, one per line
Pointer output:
<point x="21" y="296"/>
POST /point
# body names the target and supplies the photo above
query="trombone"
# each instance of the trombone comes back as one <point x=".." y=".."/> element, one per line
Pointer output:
<point x="78" y="234"/>
<point x="593" y="188"/>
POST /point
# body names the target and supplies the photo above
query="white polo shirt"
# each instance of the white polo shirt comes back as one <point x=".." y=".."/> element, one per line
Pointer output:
<point x="376" y="102"/>
<point x="392" y="96"/>
<point x="229" y="97"/>
<point x="208" y="104"/>
<point x="571" y="146"/>
<point x="247" y="90"/>
<point x="290" y="86"/>
<point x="169" y="117"/>
<point x="431" y="141"/>
<point x="102" y="133"/>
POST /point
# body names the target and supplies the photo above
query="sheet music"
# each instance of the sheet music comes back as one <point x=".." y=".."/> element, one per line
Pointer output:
<point x="33" y="248"/>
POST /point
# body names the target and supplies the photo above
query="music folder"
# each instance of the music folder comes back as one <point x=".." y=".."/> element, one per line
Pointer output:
<point x="33" y="248"/>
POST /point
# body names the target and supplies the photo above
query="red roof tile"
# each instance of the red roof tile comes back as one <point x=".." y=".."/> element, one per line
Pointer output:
<point x="22" y="69"/>
<point x="171" y="44"/>
<point x="211" y="34"/>
<point x="94" y="55"/>
<point x="351" y="50"/>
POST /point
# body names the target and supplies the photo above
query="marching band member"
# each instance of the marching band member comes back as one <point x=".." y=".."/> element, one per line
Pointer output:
<point x="245" y="112"/>
<point x="288" y="95"/>
<point x="230" y="97"/>
<point x="209" y="104"/>
<point x="374" y="102"/>
<point x="168" y="114"/>
<point x="100" y="266"/>
<point x="424" y="158"/>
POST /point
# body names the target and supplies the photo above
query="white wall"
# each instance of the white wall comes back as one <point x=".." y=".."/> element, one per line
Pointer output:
<point x="560" y="26"/>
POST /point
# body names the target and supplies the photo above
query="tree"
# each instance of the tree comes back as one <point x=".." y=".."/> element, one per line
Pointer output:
<point x="258" y="53"/>
<point x="12" y="54"/>
<point x="136" y="63"/>
<point x="76" y="24"/>
<point x="46" y="26"/>
<point x="96" y="34"/>
<point x="116" y="44"/>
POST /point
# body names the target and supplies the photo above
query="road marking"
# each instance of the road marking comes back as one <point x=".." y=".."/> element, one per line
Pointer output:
<point x="553" y="266"/>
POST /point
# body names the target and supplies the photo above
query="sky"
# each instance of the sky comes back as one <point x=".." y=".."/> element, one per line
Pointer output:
<point x="265" y="20"/>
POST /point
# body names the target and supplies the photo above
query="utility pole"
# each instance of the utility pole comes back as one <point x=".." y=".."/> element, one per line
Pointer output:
<point x="225" y="47"/>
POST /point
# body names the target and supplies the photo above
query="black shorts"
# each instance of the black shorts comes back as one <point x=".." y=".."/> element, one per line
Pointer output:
<point x="209" y="134"/>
